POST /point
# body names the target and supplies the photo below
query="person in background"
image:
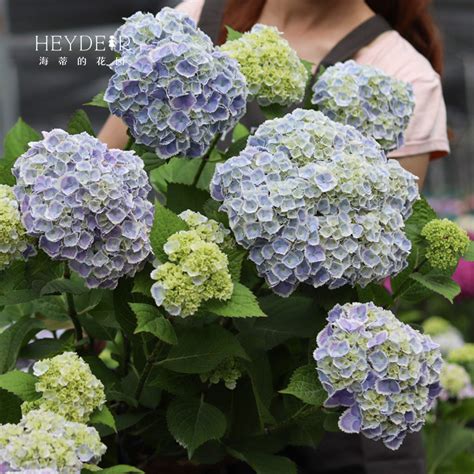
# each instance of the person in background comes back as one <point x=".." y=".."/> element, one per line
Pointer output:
<point x="400" y="38"/>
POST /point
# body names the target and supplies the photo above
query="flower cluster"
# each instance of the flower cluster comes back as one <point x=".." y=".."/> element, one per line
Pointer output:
<point x="447" y="242"/>
<point x="316" y="202"/>
<point x="228" y="371"/>
<point x="377" y="105"/>
<point x="197" y="269"/>
<point x="455" y="382"/>
<point x="87" y="204"/>
<point x="45" y="440"/>
<point x="173" y="89"/>
<point x="67" y="387"/>
<point x="463" y="354"/>
<point x="274" y="73"/>
<point x="385" y="372"/>
<point x="443" y="333"/>
<point x="14" y="243"/>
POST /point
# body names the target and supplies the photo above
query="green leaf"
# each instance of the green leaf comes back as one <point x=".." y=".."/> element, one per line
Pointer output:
<point x="242" y="304"/>
<point x="305" y="385"/>
<point x="10" y="407"/>
<point x="98" y="101"/>
<point x="149" y="319"/>
<point x="240" y="131"/>
<point x="181" y="197"/>
<point x="142" y="282"/>
<point x="331" y="421"/>
<point x="421" y="215"/>
<point x="469" y="255"/>
<point x="51" y="307"/>
<point x="79" y="123"/>
<point x="44" y="348"/>
<point x="375" y="293"/>
<point x="63" y="285"/>
<point x="236" y="257"/>
<point x="439" y="283"/>
<point x="15" y="144"/>
<point x="18" y="296"/>
<point x="193" y="422"/>
<point x="119" y="469"/>
<point x="202" y="350"/>
<point x="263" y="463"/>
<point x="236" y="147"/>
<point x="20" y="384"/>
<point x="274" y="111"/>
<point x="123" y="313"/>
<point x="177" y="384"/>
<point x="308" y="66"/>
<point x="232" y="34"/>
<point x="103" y="417"/>
<point x="165" y="224"/>
<point x="12" y="338"/>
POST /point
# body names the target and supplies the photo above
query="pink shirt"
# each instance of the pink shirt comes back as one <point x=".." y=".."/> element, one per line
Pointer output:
<point x="427" y="131"/>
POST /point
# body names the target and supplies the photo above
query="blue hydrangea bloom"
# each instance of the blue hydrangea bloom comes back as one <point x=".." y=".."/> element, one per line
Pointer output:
<point x="87" y="205"/>
<point x="377" y="105"/>
<point x="383" y="371"/>
<point x="316" y="202"/>
<point x="173" y="89"/>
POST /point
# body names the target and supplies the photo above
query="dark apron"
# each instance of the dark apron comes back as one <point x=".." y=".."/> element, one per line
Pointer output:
<point x="338" y="453"/>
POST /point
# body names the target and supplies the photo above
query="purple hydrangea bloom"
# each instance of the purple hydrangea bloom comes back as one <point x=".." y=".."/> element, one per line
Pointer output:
<point x="377" y="105"/>
<point x="316" y="202"/>
<point x="384" y="372"/>
<point x="173" y="89"/>
<point x="86" y="204"/>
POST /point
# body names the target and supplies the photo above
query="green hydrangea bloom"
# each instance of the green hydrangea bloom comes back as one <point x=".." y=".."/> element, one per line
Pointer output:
<point x="462" y="355"/>
<point x="46" y="440"/>
<point x="454" y="378"/>
<point x="14" y="243"/>
<point x="197" y="271"/>
<point x="228" y="371"/>
<point x="436" y="325"/>
<point x="68" y="388"/>
<point x="447" y="242"/>
<point x="274" y="73"/>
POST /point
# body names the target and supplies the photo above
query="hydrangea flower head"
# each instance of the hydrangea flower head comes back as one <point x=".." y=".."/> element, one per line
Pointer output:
<point x="173" y="89"/>
<point x="316" y="202"/>
<point x="14" y="243"/>
<point x="377" y="105"/>
<point x="443" y="333"/>
<point x="228" y="371"/>
<point x="67" y="387"/>
<point x="454" y="379"/>
<point x="274" y="73"/>
<point x="87" y="205"/>
<point x="463" y="354"/>
<point x="383" y="371"/>
<point x="45" y="440"/>
<point x="447" y="242"/>
<point x="197" y="269"/>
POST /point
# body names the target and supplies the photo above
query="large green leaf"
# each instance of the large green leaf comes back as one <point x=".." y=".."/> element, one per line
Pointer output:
<point x="15" y="144"/>
<point x="264" y="463"/>
<point x="469" y="255"/>
<point x="119" y="469"/>
<point x="165" y="224"/>
<point x="98" y="101"/>
<point x="438" y="282"/>
<point x="305" y="385"/>
<point x="181" y="197"/>
<point x="202" y="349"/>
<point x="79" y="123"/>
<point x="421" y="215"/>
<point x="52" y="307"/>
<point x="123" y="313"/>
<point x="149" y="319"/>
<point x="175" y="383"/>
<point x="242" y="304"/>
<point x="103" y="417"/>
<point x="236" y="257"/>
<point x="10" y="407"/>
<point x="20" y="384"/>
<point x="62" y="285"/>
<point x="193" y="422"/>
<point x="13" y="338"/>
<point x="232" y="34"/>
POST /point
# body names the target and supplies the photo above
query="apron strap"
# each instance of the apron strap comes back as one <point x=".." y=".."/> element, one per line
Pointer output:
<point x="211" y="18"/>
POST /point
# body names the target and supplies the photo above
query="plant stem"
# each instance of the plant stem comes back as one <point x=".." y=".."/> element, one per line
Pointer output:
<point x="406" y="284"/>
<point x="147" y="369"/>
<point x="205" y="159"/>
<point x="71" y="307"/>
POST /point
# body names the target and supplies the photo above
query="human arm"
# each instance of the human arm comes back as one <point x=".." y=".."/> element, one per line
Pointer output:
<point x="417" y="165"/>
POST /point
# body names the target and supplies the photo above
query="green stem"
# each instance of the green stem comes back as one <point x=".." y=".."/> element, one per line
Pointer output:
<point x="147" y="369"/>
<point x="204" y="160"/>
<point x="304" y="411"/>
<point x="71" y="307"/>
<point x="406" y="284"/>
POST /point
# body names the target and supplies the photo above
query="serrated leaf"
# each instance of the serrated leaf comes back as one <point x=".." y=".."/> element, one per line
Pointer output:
<point x="263" y="463"/>
<point x="421" y="215"/>
<point x="103" y="417"/>
<point x="98" y="101"/>
<point x="242" y="304"/>
<point x="119" y="469"/>
<point x="123" y="313"/>
<point x="181" y="197"/>
<point x="51" y="307"/>
<point x="193" y="422"/>
<point x="79" y="123"/>
<point x="15" y="144"/>
<point x="149" y="319"/>
<point x="64" y="285"/>
<point x="202" y="350"/>
<point x="469" y="255"/>
<point x="142" y="283"/>
<point x="18" y="296"/>
<point x="44" y="348"/>
<point x="182" y="385"/>
<point x="20" y="384"/>
<point x="439" y="283"/>
<point x="236" y="257"/>
<point x="10" y="404"/>
<point x="12" y="338"/>
<point x="305" y="385"/>
<point x="165" y="224"/>
<point x="232" y="34"/>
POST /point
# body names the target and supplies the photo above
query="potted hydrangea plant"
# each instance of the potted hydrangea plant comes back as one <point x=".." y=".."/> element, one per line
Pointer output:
<point x="208" y="305"/>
